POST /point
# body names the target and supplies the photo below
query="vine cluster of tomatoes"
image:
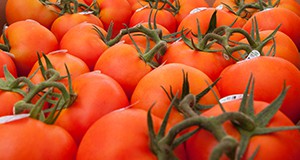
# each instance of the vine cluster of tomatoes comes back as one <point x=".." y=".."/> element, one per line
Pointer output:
<point x="139" y="79"/>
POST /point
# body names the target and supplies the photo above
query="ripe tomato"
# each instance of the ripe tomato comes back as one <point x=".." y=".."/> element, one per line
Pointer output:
<point x="117" y="11"/>
<point x="204" y="16"/>
<point x="30" y="9"/>
<point x="32" y="139"/>
<point x="26" y="38"/>
<point x="200" y="145"/>
<point x="211" y="63"/>
<point x="285" y="47"/>
<point x="269" y="73"/>
<point x="141" y="39"/>
<point x="149" y="90"/>
<point x="123" y="63"/>
<point x="6" y="59"/>
<point x="63" y="23"/>
<point x="186" y="6"/>
<point x="163" y="17"/>
<point x="122" y="134"/>
<point x="8" y="99"/>
<point x="137" y="4"/>
<point x="269" y="19"/>
<point x="289" y="4"/>
<point x="84" y="42"/>
<point x="59" y="59"/>
<point x="236" y="5"/>
<point x="96" y="95"/>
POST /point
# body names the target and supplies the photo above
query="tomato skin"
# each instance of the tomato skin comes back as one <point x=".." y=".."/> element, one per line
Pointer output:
<point x="26" y="38"/>
<point x="59" y="59"/>
<point x="289" y="4"/>
<point x="210" y="63"/>
<point x="6" y="59"/>
<point x="269" y="19"/>
<point x="164" y="18"/>
<point x="127" y="130"/>
<point x="8" y="99"/>
<point x="200" y="145"/>
<point x="65" y="22"/>
<point x="126" y="72"/>
<point x="186" y="6"/>
<point x="204" y="16"/>
<point x="149" y="90"/>
<point x="35" y="140"/>
<point x="269" y="74"/>
<point x="285" y="47"/>
<point x="30" y="9"/>
<point x="84" y="42"/>
<point x="117" y="11"/>
<point x="97" y="95"/>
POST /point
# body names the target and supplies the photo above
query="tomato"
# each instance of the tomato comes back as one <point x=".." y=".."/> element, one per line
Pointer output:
<point x="63" y="23"/>
<point x="84" y="42"/>
<point x="236" y="6"/>
<point x="186" y="6"/>
<point x="6" y="59"/>
<point x="141" y="39"/>
<point x="200" y="145"/>
<point x="8" y="99"/>
<point x="117" y="11"/>
<point x="137" y="4"/>
<point x="126" y="72"/>
<point x="149" y="90"/>
<point x="35" y="140"/>
<point x="269" y="73"/>
<point x="211" y="63"/>
<point x="289" y="4"/>
<point x="122" y="134"/>
<point x="204" y="15"/>
<point x="284" y="46"/>
<point x="96" y="95"/>
<point x="269" y="19"/>
<point x="30" y="9"/>
<point x="163" y="17"/>
<point x="26" y="38"/>
<point x="59" y="59"/>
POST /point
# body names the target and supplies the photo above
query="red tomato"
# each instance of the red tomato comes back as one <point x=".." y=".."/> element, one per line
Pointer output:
<point x="204" y="15"/>
<point x="271" y="146"/>
<point x="30" y="9"/>
<point x="137" y="4"/>
<point x="285" y="47"/>
<point x="84" y="42"/>
<point x="236" y="5"/>
<point x="122" y="63"/>
<point x="122" y="134"/>
<point x="26" y="38"/>
<point x="269" y="73"/>
<point x="269" y="19"/>
<point x="163" y="17"/>
<point x="116" y="11"/>
<point x="6" y="59"/>
<point x="32" y="139"/>
<point x="62" y="24"/>
<point x="59" y="59"/>
<point x="292" y="5"/>
<point x="8" y="99"/>
<point x="141" y="39"/>
<point x="96" y="95"/>
<point x="149" y="90"/>
<point x="186" y="6"/>
<point x="211" y="63"/>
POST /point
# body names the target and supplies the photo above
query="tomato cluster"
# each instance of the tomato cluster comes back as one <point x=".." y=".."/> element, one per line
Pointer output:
<point x="141" y="79"/>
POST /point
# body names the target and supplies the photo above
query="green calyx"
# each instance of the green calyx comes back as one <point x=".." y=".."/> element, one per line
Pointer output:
<point x="248" y="123"/>
<point x="44" y="101"/>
